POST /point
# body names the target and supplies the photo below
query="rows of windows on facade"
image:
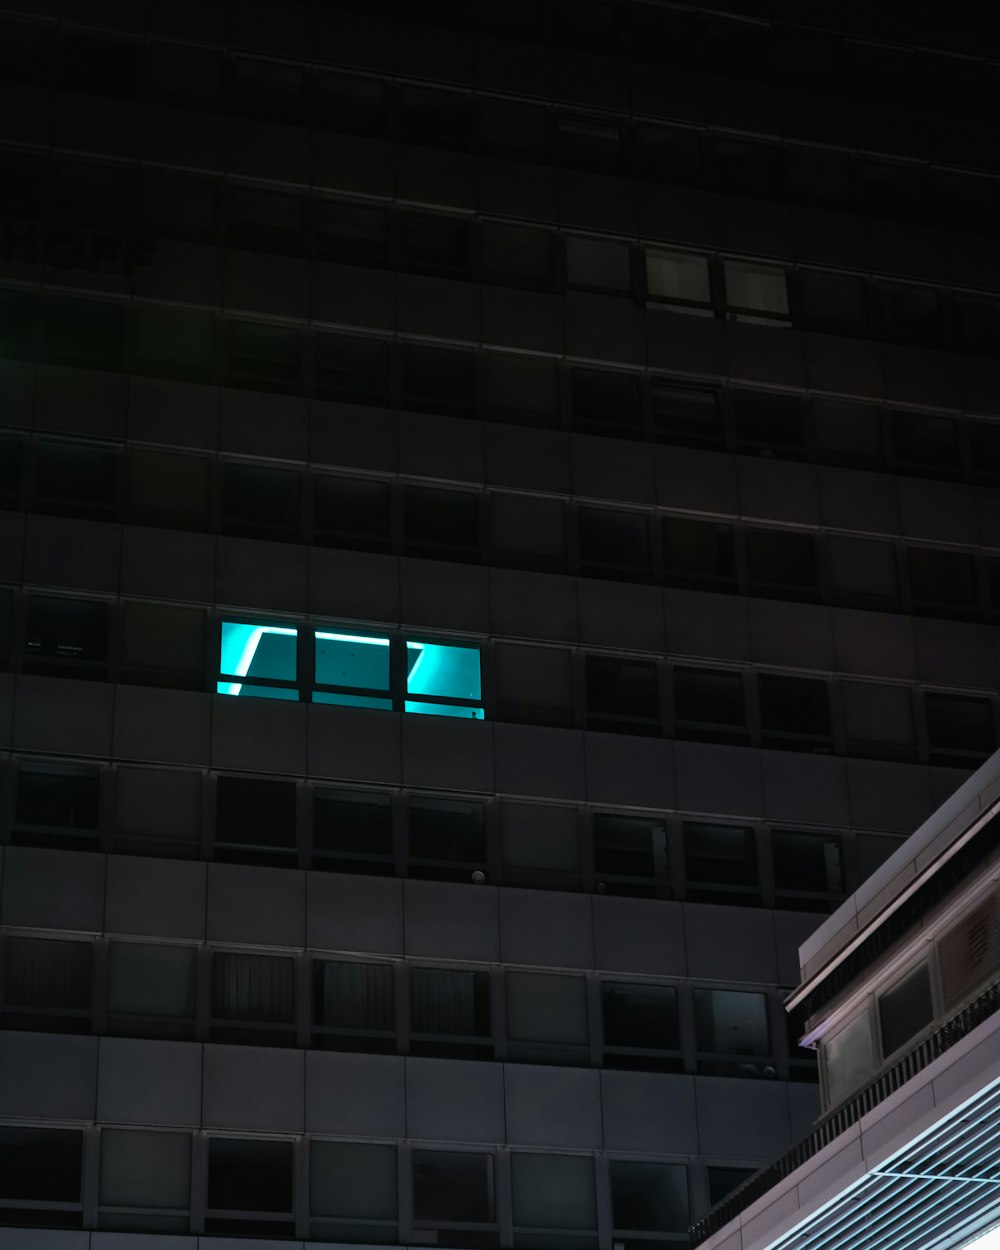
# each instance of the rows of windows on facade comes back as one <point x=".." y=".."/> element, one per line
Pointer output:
<point x="147" y="989"/>
<point x="345" y="1191"/>
<point x="168" y="646"/>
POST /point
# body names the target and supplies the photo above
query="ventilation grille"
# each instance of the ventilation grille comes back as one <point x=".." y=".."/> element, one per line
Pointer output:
<point x="969" y="956"/>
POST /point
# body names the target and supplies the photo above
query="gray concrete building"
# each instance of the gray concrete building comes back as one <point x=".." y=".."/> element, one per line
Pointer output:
<point x="499" y="537"/>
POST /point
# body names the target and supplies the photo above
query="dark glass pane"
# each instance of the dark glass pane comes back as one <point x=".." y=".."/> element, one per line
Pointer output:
<point x="352" y="824"/>
<point x="649" y="1196"/>
<point x="452" y="1187"/>
<point x="447" y="1002"/>
<point x="255" y="814"/>
<point x="699" y="554"/>
<point x="47" y="974"/>
<point x="624" y="690"/>
<point x="445" y="830"/>
<point x="606" y="403"/>
<point x="72" y="630"/>
<point x="443" y="523"/>
<point x="258" y="502"/>
<point x="796" y="706"/>
<point x="40" y="1164"/>
<point x="767" y="421"/>
<point x="684" y="415"/>
<point x="613" y="544"/>
<point x="249" y="1175"/>
<point x="436" y="378"/>
<point x="905" y="1009"/>
<point x="258" y="988"/>
<point x="57" y="800"/>
<point x="348" y="367"/>
<point x="782" y="563"/>
<point x="719" y="855"/>
<point x="643" y="1016"/>
<point x="439" y="244"/>
<point x="632" y="847"/>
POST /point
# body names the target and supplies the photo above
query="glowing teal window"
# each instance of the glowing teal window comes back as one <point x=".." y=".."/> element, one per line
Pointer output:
<point x="445" y="680"/>
<point x="258" y="660"/>
<point x="352" y="669"/>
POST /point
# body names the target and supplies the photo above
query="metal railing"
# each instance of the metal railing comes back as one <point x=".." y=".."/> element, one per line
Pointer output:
<point x="848" y="1113"/>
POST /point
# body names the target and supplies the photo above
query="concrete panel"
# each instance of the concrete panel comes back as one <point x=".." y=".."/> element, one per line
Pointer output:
<point x="639" y="936"/>
<point x="162" y="898"/>
<point x="163" y="726"/>
<point x="354" y="744"/>
<point x="147" y="1082"/>
<point x="47" y="1076"/>
<point x="355" y="1095"/>
<point x="254" y="1087"/>
<point x="454" y="1100"/>
<point x="354" y="914"/>
<point x="545" y="928"/>
<point x="262" y="906"/>
<point x="649" y="1112"/>
<point x="53" y="889"/>
<point x="444" y="919"/>
<point x="552" y="1106"/>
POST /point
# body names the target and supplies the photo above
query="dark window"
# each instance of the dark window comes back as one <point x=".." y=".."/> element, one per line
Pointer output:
<point x="699" y="554"/>
<point x="528" y="531"/>
<point x="11" y="470"/>
<point x="891" y="189"/>
<point x="349" y="102"/>
<point x="25" y="50"/>
<point x="437" y="244"/>
<point x="441" y="523"/>
<point x="517" y="255"/>
<point x="834" y="303"/>
<point x="720" y="863"/>
<point x="905" y="1010"/>
<point x="540" y="846"/>
<point x="667" y="154"/>
<point x="47" y="985"/>
<point x="447" y="838"/>
<point x="512" y="127"/>
<point x="435" y="116"/>
<point x="87" y="333"/>
<point x="56" y="807"/>
<point x="722" y="1182"/>
<point x="808" y="874"/>
<point x="351" y="368"/>
<point x="40" y="1165"/>
<point x="588" y="142"/>
<point x="640" y="1027"/>
<point x="848" y="433"/>
<point x="794" y="712"/>
<point x="66" y="637"/>
<point x="255" y="821"/>
<point x="436" y="379"/>
<point x="613" y="544"/>
<point x="817" y="175"/>
<point x="598" y="264"/>
<point x="622" y="695"/>
<point x="746" y="167"/>
<point x="686" y="416"/>
<point x="168" y="489"/>
<point x="878" y="720"/>
<point x="258" y="991"/>
<point x="268" y="88"/>
<point x="606" y="403"/>
<point x="179" y="206"/>
<point x="959" y="728"/>
<point x="151" y="990"/>
<point x="107" y="66"/>
<point x="250" y="1186"/>
<point x="768" y="423"/>
<point x="148" y="1173"/>
<point x="163" y="646"/>
<point x="453" y="1188"/>
<point x="709" y="705"/>
<point x="356" y="233"/>
<point x="353" y="512"/>
<point x="75" y="479"/>
<point x="260" y="503"/>
<point x="649" y="1197"/>
<point x="928" y="444"/>
<point x="352" y="831"/>
<point x="553" y="1192"/>
<point x="17" y="324"/>
<point x="547" y="1018"/>
<point x="173" y="342"/>
<point x="863" y="573"/>
<point x="265" y="219"/>
<point x="450" y="1013"/>
<point x="352" y="1191"/>
<point x="263" y="357"/>
<point x="782" y="564"/>
<point x="98" y="196"/>
<point x="943" y="582"/>
<point x="984" y="449"/>
<point x="353" y="1006"/>
<point x="914" y="314"/>
<point x="630" y="855"/>
<point x="732" y="1033"/>
<point x="521" y="390"/>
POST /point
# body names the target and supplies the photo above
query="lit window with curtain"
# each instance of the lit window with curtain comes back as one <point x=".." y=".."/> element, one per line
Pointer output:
<point x="259" y="659"/>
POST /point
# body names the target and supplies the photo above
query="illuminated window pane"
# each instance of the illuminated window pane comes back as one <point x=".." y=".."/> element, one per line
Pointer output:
<point x="677" y="276"/>
<point x="761" y="288"/>
<point x="438" y="671"/>
<point x="264" y="652"/>
<point x="357" y="666"/>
